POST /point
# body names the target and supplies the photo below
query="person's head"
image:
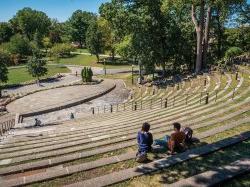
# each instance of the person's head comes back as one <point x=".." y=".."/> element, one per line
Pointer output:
<point x="36" y="119"/>
<point x="177" y="126"/>
<point x="145" y="127"/>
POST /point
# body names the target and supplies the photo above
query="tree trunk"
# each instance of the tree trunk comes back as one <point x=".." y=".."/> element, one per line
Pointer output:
<point x="98" y="58"/>
<point x="206" y="38"/>
<point x="219" y="34"/>
<point x="113" y="55"/>
<point x="199" y="27"/>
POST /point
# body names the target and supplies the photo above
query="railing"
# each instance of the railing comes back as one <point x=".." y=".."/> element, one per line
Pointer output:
<point x="6" y="123"/>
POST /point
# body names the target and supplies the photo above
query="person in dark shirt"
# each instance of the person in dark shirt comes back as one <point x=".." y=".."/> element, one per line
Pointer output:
<point x="144" y="139"/>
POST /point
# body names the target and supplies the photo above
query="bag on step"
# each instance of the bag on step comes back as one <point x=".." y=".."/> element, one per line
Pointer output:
<point x="188" y="134"/>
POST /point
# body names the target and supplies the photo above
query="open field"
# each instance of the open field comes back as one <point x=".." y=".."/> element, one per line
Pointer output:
<point x="19" y="75"/>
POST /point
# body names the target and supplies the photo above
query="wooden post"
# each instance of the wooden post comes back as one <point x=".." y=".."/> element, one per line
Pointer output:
<point x="216" y="93"/>
<point x="135" y="106"/>
<point x="205" y="82"/>
<point x="233" y="94"/>
<point x="207" y="98"/>
<point x="166" y="103"/>
<point x="200" y="97"/>
<point x="236" y="76"/>
<point x="111" y="108"/>
<point x="93" y="110"/>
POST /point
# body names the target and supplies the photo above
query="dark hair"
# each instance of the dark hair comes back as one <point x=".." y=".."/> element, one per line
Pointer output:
<point x="177" y="125"/>
<point x="145" y="127"/>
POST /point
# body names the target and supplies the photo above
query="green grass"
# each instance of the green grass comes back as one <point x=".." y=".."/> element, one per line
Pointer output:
<point x="88" y="60"/>
<point x="19" y="75"/>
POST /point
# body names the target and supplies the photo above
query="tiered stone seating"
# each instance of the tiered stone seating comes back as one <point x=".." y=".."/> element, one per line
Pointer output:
<point x="95" y="142"/>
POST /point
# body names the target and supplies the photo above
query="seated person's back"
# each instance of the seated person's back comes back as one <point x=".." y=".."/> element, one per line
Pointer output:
<point x="144" y="138"/>
<point x="177" y="139"/>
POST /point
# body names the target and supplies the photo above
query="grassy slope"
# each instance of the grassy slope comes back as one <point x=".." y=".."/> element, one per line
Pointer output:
<point x="21" y="74"/>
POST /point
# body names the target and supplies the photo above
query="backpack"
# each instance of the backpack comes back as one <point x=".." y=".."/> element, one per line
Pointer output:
<point x="188" y="134"/>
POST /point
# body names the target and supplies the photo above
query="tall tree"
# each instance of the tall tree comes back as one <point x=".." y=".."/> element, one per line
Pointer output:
<point x="94" y="40"/>
<point x="79" y="22"/>
<point x="28" y="21"/>
<point x="199" y="26"/>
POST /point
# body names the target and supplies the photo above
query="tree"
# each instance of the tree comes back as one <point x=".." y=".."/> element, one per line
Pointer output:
<point x="4" y="60"/>
<point x="19" y="47"/>
<point x="79" y="22"/>
<point x="5" y="32"/>
<point x="94" y="40"/>
<point x="37" y="66"/>
<point x="62" y="50"/>
<point x="28" y="22"/>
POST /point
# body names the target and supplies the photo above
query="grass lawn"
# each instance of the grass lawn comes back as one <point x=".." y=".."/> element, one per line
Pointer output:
<point x="19" y="75"/>
<point x="87" y="60"/>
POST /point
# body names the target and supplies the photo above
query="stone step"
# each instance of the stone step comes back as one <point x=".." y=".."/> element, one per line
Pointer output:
<point x="127" y="174"/>
<point x="216" y="176"/>
<point x="63" y="159"/>
<point x="60" y="172"/>
<point x="160" y="124"/>
<point x="59" y="150"/>
<point x="77" y="129"/>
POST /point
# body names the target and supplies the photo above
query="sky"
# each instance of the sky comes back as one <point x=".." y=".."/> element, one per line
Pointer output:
<point x="59" y="9"/>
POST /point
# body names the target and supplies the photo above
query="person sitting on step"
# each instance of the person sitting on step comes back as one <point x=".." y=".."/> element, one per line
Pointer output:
<point x="145" y="141"/>
<point x="174" y="142"/>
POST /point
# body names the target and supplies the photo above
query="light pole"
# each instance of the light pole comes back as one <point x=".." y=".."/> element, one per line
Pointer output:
<point x="105" y="71"/>
<point x="132" y="74"/>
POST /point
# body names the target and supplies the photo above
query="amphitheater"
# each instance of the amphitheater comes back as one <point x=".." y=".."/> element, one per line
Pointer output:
<point x="99" y="149"/>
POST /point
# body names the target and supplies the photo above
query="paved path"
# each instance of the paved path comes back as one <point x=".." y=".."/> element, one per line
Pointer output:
<point x="66" y="79"/>
<point x="118" y="95"/>
<point x="57" y="97"/>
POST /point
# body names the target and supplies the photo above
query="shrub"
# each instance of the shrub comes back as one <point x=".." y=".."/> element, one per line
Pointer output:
<point x="233" y="52"/>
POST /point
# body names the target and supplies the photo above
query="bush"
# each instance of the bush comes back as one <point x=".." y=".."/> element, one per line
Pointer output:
<point x="62" y="50"/>
<point x="233" y="52"/>
<point x="87" y="74"/>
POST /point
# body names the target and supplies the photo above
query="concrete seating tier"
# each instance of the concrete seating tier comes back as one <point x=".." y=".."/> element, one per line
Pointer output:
<point x="29" y="156"/>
